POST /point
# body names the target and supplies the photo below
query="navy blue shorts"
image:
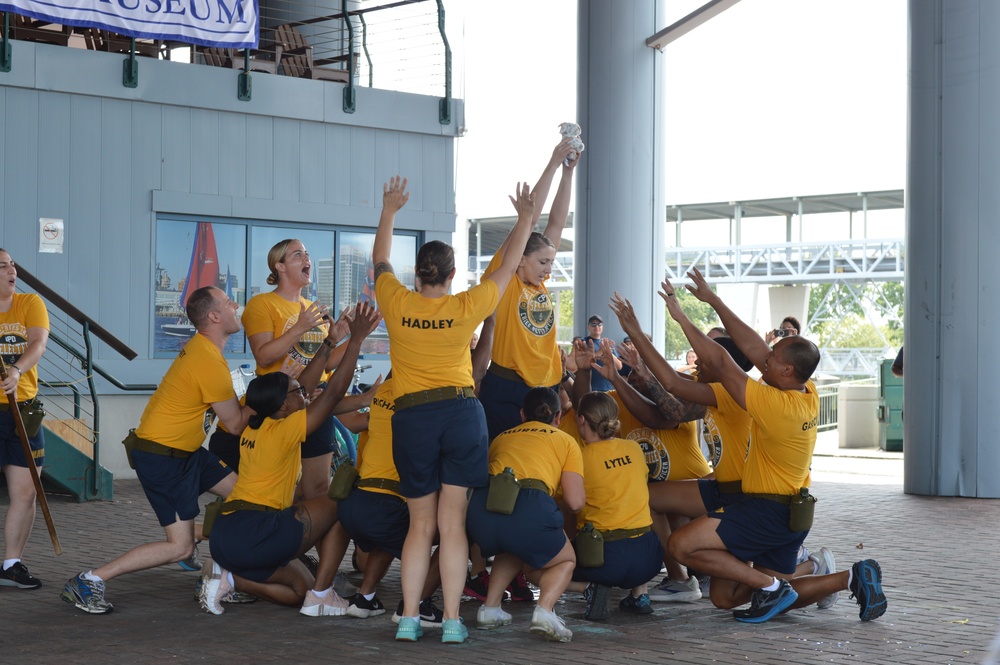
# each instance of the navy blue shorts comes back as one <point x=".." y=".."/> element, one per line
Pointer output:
<point x="713" y="498"/>
<point x="533" y="532"/>
<point x="173" y="485"/>
<point x="226" y="447"/>
<point x="440" y="443"/>
<point x="322" y="440"/>
<point x="757" y="530"/>
<point x="628" y="562"/>
<point x="502" y="400"/>
<point x="254" y="544"/>
<point x="375" y="519"/>
<point x="11" y="451"/>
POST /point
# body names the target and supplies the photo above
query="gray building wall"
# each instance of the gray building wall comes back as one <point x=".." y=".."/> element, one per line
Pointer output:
<point x="78" y="146"/>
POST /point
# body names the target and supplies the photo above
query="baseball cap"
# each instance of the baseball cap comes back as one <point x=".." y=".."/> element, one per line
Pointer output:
<point x="595" y="317"/>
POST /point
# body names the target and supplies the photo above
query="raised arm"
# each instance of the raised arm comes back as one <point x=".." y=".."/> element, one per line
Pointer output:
<point x="560" y="204"/>
<point x="394" y="197"/>
<point x="746" y="338"/>
<point x="541" y="189"/>
<point x="365" y="320"/>
<point x="710" y="354"/>
<point x="669" y="406"/>
<point x="643" y="409"/>
<point x="484" y="347"/>
<point x="668" y="379"/>
<point x="524" y="204"/>
<point x="583" y="356"/>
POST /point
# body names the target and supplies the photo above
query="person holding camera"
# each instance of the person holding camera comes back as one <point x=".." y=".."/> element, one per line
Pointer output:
<point x="790" y="327"/>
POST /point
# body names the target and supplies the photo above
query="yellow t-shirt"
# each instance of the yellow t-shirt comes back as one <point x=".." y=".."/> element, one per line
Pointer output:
<point x="375" y="459"/>
<point x="536" y="450"/>
<point x="271" y="461"/>
<point x="269" y="312"/>
<point x="568" y="425"/>
<point x="27" y="311"/>
<point x="671" y="454"/>
<point x="524" y="338"/>
<point x="614" y="478"/>
<point x="429" y="337"/>
<point x="726" y="430"/>
<point x="176" y="413"/>
<point x="782" y="438"/>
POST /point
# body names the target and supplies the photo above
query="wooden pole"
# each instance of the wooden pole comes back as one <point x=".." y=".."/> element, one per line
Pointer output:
<point x="29" y="458"/>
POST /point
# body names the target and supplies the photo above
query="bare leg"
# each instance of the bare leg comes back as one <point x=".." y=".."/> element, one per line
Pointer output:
<point x="505" y="569"/>
<point x="287" y="586"/>
<point x="451" y="512"/>
<point x="331" y="549"/>
<point x="178" y="546"/>
<point x="417" y="551"/>
<point x="556" y="577"/>
<point x="378" y="563"/>
<point x="21" y="512"/>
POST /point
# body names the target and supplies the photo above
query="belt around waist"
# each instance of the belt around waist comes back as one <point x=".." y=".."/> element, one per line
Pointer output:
<point x="380" y="483"/>
<point x="239" y="504"/>
<point x="505" y="373"/>
<point x="730" y="487"/>
<point x="133" y="442"/>
<point x="622" y="534"/>
<point x="534" y="484"/>
<point x="5" y="405"/>
<point x="422" y="397"/>
<point x="784" y="499"/>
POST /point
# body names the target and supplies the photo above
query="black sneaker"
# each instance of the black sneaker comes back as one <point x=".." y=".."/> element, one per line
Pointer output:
<point x="477" y="585"/>
<point x="520" y="590"/>
<point x="765" y="605"/>
<point x="635" y="605"/>
<point x="866" y="588"/>
<point x="18" y="575"/>
<point x="363" y="608"/>
<point x="430" y="615"/>
<point x="597" y="608"/>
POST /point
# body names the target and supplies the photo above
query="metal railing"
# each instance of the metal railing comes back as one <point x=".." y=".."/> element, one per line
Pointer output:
<point x="67" y="370"/>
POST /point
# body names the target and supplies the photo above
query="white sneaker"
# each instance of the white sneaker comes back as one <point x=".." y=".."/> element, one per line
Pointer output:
<point x="488" y="618"/>
<point x="330" y="605"/>
<point x="802" y="555"/>
<point x="549" y="625"/>
<point x="214" y="587"/>
<point x="673" y="591"/>
<point x="825" y="565"/>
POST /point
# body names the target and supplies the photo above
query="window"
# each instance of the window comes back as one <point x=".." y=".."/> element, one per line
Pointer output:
<point x="194" y="252"/>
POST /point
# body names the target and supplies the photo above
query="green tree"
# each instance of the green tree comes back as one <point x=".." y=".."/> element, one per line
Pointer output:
<point x="701" y="314"/>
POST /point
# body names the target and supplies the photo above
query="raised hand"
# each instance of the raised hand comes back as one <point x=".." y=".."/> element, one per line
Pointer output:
<point x="341" y="328"/>
<point x="626" y="315"/>
<point x="700" y="289"/>
<point x="365" y="320"/>
<point x="524" y="204"/>
<point x="583" y="353"/>
<point x="310" y="317"/>
<point x="394" y="194"/>
<point x="606" y="355"/>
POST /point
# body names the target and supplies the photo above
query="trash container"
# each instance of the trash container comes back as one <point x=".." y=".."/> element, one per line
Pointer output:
<point x="890" y="409"/>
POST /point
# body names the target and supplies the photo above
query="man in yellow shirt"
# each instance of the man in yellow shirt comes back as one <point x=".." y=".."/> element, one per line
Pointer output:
<point x="166" y="448"/>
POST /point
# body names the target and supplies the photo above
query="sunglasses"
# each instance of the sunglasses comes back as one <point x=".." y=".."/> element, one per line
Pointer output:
<point x="300" y="390"/>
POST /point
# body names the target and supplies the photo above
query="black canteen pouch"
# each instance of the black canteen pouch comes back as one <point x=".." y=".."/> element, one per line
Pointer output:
<point x="801" y="510"/>
<point x="589" y="546"/>
<point x="344" y="480"/>
<point x="32" y="414"/>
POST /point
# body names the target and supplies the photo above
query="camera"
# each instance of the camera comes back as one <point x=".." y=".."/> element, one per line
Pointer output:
<point x="781" y="332"/>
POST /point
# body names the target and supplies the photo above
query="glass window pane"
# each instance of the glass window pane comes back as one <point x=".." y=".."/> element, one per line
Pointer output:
<point x="190" y="255"/>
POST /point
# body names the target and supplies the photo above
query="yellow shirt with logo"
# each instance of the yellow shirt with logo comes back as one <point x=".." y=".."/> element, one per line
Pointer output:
<point x="269" y="312"/>
<point x="429" y="337"/>
<point x="375" y="457"/>
<point x="536" y="450"/>
<point x="670" y="454"/>
<point x="524" y="338"/>
<point x="271" y="461"/>
<point x="176" y="413"/>
<point x="782" y="438"/>
<point x="27" y="311"/>
<point x="614" y="478"/>
<point x="726" y="431"/>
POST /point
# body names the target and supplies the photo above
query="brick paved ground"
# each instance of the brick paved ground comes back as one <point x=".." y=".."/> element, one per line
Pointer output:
<point x="937" y="554"/>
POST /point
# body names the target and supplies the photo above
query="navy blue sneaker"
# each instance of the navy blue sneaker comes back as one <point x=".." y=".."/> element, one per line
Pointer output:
<point x="765" y="605"/>
<point x="635" y="605"/>
<point x="866" y="588"/>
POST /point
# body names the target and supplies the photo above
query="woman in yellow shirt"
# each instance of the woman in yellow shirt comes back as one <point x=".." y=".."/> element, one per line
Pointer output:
<point x="438" y="428"/>
<point x="615" y="476"/>
<point x="533" y="534"/>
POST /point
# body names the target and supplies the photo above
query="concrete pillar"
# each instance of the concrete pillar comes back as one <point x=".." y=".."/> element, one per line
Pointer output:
<point x="950" y="417"/>
<point x="620" y="210"/>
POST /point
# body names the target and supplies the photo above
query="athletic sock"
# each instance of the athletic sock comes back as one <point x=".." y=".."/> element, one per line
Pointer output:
<point x="773" y="586"/>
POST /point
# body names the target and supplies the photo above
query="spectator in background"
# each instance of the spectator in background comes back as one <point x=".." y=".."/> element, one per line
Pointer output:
<point x="790" y="327"/>
<point x="690" y="358"/>
<point x="595" y="332"/>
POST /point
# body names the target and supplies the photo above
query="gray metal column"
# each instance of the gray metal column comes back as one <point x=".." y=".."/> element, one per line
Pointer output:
<point x="951" y="419"/>
<point x="620" y="209"/>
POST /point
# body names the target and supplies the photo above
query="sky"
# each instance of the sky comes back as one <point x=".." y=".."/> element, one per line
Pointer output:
<point x="772" y="98"/>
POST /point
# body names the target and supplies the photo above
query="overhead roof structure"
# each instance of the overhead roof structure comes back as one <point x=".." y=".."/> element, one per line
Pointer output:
<point x="787" y="207"/>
